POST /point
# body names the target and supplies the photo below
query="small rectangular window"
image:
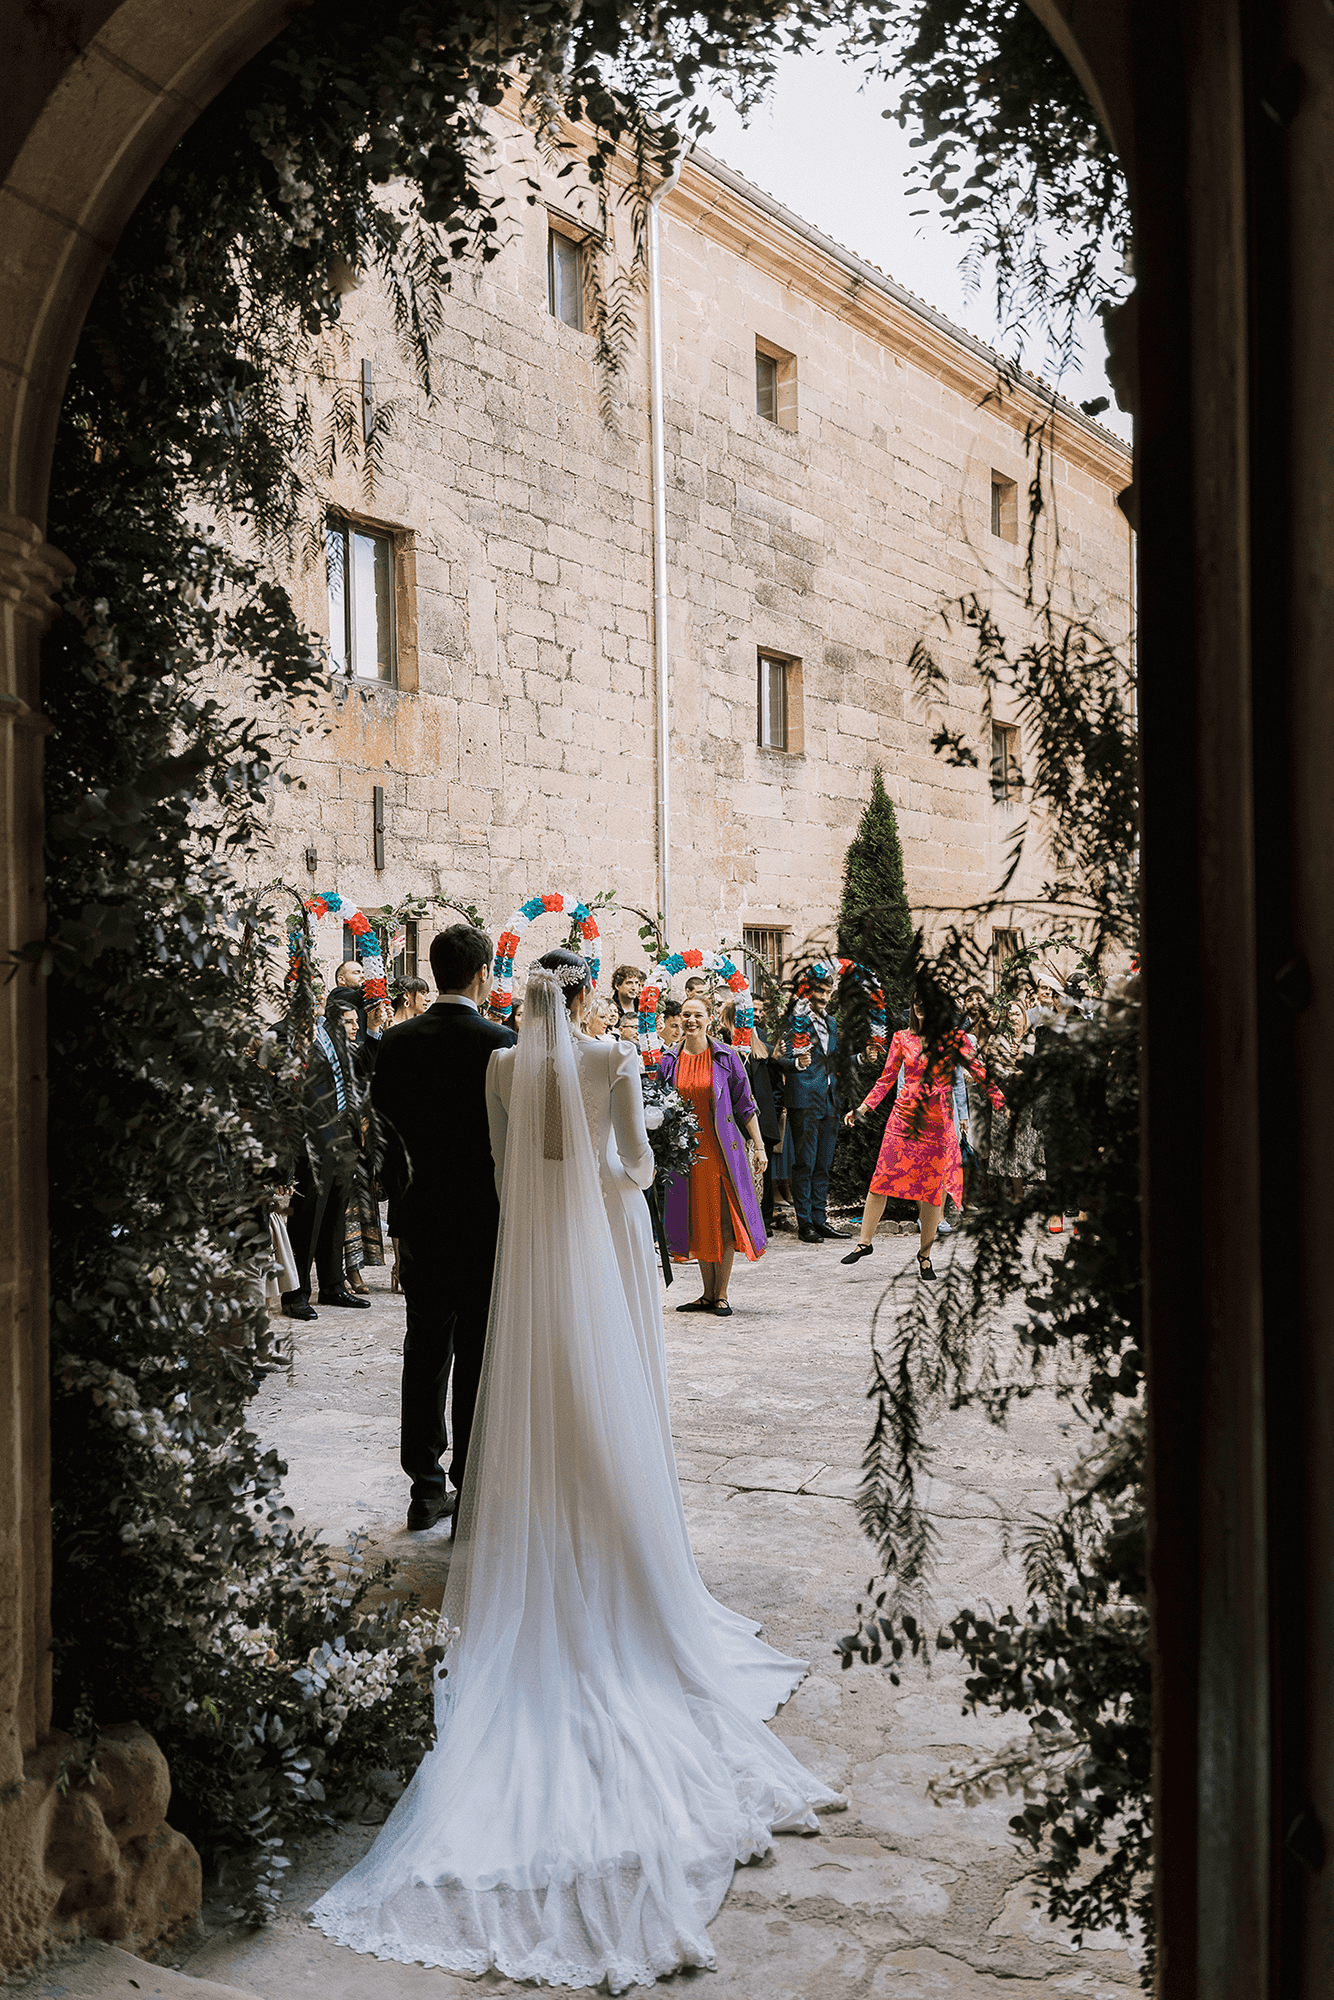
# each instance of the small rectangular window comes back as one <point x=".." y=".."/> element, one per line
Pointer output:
<point x="361" y="601"/>
<point x="1006" y="779"/>
<point x="775" y="385"/>
<point x="1004" y="946"/>
<point x="773" y="702"/>
<point x="565" y="278"/>
<point x="766" y="386"/>
<point x="764" y="949"/>
<point x="1004" y="508"/>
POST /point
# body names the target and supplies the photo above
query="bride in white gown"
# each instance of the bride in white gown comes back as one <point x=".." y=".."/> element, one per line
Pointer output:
<point x="601" y="1764"/>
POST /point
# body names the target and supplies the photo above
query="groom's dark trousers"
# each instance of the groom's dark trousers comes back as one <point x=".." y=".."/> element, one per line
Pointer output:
<point x="430" y="1086"/>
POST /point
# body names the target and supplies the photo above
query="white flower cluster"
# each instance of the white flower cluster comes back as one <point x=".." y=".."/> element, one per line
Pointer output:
<point x="345" y="1681"/>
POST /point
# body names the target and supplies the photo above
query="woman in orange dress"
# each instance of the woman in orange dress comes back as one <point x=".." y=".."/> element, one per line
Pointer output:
<point x="715" y="1213"/>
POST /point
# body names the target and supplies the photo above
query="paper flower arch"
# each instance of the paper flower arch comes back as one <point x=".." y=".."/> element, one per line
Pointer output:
<point x="841" y="967"/>
<point x="502" y="990"/>
<point x="650" y="1044"/>
<point x="373" y="982"/>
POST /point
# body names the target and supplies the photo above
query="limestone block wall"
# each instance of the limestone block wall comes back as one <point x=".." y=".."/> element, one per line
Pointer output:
<point x="523" y="758"/>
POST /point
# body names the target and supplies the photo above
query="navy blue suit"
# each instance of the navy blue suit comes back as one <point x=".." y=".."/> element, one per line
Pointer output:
<point x="811" y="1096"/>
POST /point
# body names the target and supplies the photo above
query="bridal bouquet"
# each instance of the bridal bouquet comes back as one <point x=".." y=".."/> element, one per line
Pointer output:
<point x="672" y="1127"/>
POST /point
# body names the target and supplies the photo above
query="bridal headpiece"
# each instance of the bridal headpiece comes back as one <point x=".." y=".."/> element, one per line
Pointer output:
<point x="570" y="975"/>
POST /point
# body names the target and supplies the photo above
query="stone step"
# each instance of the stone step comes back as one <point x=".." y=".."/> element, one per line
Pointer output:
<point x="95" y="1971"/>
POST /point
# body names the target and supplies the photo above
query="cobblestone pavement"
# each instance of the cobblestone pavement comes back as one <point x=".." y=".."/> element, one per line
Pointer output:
<point x="897" y="1899"/>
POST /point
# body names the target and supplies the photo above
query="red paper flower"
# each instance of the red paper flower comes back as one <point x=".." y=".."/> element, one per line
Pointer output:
<point x="375" y="989"/>
<point x="507" y="944"/>
<point x="692" y="958"/>
<point x="737" y="981"/>
<point x="553" y="902"/>
<point x="358" y="924"/>
<point x="648" y="1000"/>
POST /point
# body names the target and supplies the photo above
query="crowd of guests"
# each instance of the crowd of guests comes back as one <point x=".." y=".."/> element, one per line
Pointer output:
<point x="768" y="1122"/>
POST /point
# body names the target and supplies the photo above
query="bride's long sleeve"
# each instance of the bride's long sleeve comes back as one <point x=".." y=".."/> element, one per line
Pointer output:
<point x="627" y="1115"/>
<point x="497" y="1117"/>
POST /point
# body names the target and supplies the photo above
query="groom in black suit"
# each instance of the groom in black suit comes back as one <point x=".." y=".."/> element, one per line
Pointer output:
<point x="430" y="1086"/>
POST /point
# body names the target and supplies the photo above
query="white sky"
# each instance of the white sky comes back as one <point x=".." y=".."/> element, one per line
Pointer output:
<point x="820" y="146"/>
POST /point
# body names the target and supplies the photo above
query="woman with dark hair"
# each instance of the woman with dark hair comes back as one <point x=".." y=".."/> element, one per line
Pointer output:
<point x="609" y="1077"/>
<point x="414" y="997"/>
<point x="919" y="1154"/>
<point x="363" y="1241"/>
<point x="714" y="1214"/>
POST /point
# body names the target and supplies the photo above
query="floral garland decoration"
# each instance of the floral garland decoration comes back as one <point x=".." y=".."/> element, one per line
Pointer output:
<point x="650" y="1045"/>
<point x="875" y="993"/>
<point x="502" y="991"/>
<point x="373" y="983"/>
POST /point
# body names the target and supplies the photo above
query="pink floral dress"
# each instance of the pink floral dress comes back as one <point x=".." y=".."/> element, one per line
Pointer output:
<point x="919" y="1154"/>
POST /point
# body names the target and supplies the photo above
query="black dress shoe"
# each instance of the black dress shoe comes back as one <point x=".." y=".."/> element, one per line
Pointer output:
<point x="425" y="1513"/>
<point x="827" y="1230"/>
<point x="810" y="1235"/>
<point x="297" y="1306"/>
<point x="342" y="1299"/>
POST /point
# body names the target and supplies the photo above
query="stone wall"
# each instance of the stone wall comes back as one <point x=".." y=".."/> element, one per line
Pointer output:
<point x="523" y="757"/>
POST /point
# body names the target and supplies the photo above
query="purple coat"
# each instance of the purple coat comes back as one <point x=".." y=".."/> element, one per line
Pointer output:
<point x="732" y="1103"/>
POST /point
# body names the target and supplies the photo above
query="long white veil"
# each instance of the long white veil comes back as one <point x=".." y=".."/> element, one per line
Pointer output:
<point x="594" y="1781"/>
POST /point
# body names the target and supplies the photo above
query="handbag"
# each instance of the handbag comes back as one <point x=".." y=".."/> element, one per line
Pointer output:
<point x="281" y="1245"/>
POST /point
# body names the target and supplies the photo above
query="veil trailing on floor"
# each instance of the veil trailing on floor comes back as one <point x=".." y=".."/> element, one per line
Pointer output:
<point x="594" y="1780"/>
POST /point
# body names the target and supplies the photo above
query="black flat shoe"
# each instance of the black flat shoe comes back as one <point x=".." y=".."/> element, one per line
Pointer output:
<point x="696" y="1306"/>
<point x="343" y="1299"/>
<point x="425" y="1513"/>
<point x="855" y="1256"/>
<point x="924" y="1266"/>
<point x="721" y="1309"/>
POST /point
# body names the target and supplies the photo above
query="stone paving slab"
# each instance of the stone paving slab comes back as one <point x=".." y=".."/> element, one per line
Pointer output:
<point x="896" y="1898"/>
<point x="96" y="1971"/>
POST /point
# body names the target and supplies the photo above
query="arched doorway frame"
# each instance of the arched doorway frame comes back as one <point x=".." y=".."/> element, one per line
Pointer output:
<point x="97" y="97"/>
<point x="101" y="94"/>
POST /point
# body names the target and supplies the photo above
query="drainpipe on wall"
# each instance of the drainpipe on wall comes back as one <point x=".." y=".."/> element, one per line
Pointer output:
<point x="659" y="486"/>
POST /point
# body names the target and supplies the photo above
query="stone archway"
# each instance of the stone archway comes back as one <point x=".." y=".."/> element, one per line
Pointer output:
<point x="97" y="96"/>
<point x="1220" y="109"/>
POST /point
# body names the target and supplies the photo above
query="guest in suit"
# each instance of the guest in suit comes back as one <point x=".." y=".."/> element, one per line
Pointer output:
<point x="430" y="1086"/>
<point x="714" y="1213"/>
<point x="811" y="1096"/>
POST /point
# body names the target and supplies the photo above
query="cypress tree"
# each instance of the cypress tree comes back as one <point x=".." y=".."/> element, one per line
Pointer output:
<point x="875" y="927"/>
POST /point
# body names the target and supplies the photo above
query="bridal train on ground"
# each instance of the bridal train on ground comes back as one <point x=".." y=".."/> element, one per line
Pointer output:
<point x="601" y="1763"/>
